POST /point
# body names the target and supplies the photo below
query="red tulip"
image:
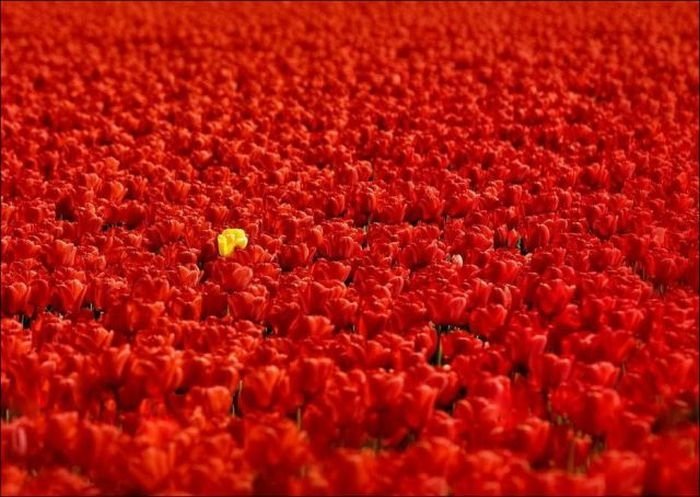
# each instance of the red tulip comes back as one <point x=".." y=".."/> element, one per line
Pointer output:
<point x="61" y="254"/>
<point x="215" y="400"/>
<point x="371" y="323"/>
<point x="291" y="256"/>
<point x="260" y="387"/>
<point x="113" y="361"/>
<point x="340" y="247"/>
<point x="330" y="270"/>
<point x="486" y="321"/>
<point x="447" y="310"/>
<point x="149" y="468"/>
<point x="141" y="315"/>
<point x="309" y="375"/>
<point x="553" y="297"/>
<point x="186" y="305"/>
<point x="15" y="298"/>
<point x="550" y="370"/>
<point x="352" y="473"/>
<point x="25" y="249"/>
<point x="70" y="295"/>
<point x="341" y="312"/>
<point x="245" y="305"/>
<point x="391" y="210"/>
<point x="214" y="302"/>
<point x="419" y="406"/>
<point x="311" y="326"/>
<point x="624" y="472"/>
<point x="231" y="276"/>
<point x="501" y="271"/>
<point x="113" y="191"/>
<point x="151" y="289"/>
<point x="537" y="238"/>
<point x="427" y="207"/>
<point x="531" y="438"/>
<point x="602" y="407"/>
<point x="420" y="254"/>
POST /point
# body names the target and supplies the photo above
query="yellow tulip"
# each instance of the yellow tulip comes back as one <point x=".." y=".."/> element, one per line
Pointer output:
<point x="231" y="239"/>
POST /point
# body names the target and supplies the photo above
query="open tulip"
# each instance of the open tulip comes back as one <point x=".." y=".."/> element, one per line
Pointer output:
<point x="231" y="239"/>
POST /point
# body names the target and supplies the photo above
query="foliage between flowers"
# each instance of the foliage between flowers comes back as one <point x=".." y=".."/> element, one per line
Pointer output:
<point x="472" y="264"/>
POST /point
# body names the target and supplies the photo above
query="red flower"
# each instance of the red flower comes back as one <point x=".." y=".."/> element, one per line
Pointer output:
<point x="447" y="310"/>
<point x="531" y="438"/>
<point x="312" y="327"/>
<point x="151" y="289"/>
<point x="371" y="323"/>
<point x="352" y="473"/>
<point x="216" y="400"/>
<point x="624" y="472"/>
<point x="231" y="276"/>
<point x="553" y="297"/>
<point x="330" y="270"/>
<point x="291" y="256"/>
<point x="550" y="370"/>
<point x="15" y="298"/>
<point x="245" y="305"/>
<point x="260" y="388"/>
<point x="390" y="210"/>
<point x="186" y="305"/>
<point x="421" y="254"/>
<point x="61" y="254"/>
<point x="70" y="295"/>
<point x="486" y="321"/>
<point x="309" y="375"/>
<point x="419" y="406"/>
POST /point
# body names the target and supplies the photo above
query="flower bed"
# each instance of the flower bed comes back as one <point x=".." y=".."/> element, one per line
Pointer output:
<point x="470" y="262"/>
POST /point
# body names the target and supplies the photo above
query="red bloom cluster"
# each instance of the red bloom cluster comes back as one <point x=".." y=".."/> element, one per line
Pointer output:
<point x="472" y="260"/>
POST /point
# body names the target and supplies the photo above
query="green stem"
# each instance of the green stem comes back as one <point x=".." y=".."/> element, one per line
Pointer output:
<point x="237" y="398"/>
<point x="570" y="458"/>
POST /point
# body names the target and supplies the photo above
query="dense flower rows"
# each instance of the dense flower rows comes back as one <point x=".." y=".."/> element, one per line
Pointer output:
<point x="471" y="263"/>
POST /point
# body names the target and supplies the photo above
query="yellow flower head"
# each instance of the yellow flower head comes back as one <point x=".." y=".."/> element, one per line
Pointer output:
<point x="231" y="239"/>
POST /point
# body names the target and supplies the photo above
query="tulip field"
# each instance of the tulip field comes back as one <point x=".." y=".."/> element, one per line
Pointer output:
<point x="350" y="248"/>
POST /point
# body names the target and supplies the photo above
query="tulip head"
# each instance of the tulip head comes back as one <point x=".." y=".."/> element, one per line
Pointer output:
<point x="231" y="239"/>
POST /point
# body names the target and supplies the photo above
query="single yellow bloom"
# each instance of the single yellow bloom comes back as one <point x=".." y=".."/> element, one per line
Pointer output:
<point x="231" y="239"/>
